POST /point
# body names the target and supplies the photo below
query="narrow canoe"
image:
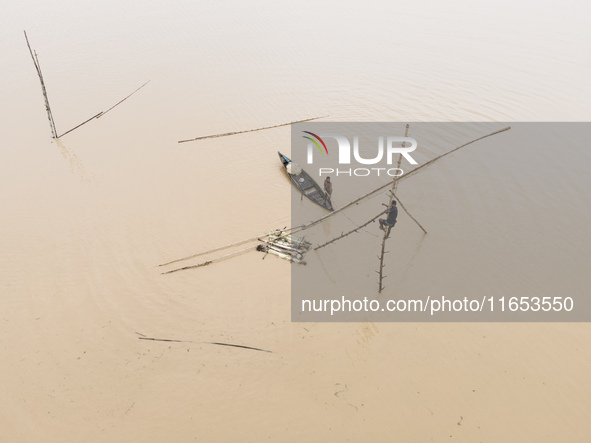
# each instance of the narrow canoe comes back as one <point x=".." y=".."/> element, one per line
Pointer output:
<point x="306" y="184"/>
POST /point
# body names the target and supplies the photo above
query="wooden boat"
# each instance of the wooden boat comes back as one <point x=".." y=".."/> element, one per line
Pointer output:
<point x="305" y="183"/>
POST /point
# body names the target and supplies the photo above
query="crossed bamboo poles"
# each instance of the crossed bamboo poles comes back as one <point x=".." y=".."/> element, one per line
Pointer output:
<point x="299" y="228"/>
<point x="54" y="133"/>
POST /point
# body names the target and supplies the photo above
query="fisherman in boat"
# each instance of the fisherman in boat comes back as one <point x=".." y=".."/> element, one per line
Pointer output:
<point x="328" y="187"/>
<point x="390" y="220"/>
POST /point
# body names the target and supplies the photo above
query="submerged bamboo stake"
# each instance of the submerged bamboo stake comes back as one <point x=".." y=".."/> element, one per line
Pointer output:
<point x="387" y="229"/>
<point x="250" y="130"/>
<point x="383" y="251"/>
<point x="380" y="272"/>
<point x="43" y="89"/>
<point x="348" y="233"/>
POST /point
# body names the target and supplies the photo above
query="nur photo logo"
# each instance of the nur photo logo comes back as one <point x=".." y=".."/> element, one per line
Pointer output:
<point x="315" y="142"/>
<point x="384" y="151"/>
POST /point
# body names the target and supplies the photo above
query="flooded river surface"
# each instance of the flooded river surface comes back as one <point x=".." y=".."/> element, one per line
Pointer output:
<point x="87" y="219"/>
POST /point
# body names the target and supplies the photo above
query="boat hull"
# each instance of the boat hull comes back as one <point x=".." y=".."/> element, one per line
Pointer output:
<point x="307" y="185"/>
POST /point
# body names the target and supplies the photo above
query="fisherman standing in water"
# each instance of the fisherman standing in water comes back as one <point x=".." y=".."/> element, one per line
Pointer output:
<point x="389" y="221"/>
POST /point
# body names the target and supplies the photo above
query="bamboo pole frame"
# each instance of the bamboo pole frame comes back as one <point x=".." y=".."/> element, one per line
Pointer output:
<point x="295" y="229"/>
<point x="43" y="88"/>
<point x="54" y="133"/>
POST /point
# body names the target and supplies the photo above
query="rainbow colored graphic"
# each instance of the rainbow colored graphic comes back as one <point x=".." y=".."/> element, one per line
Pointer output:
<point x="315" y="142"/>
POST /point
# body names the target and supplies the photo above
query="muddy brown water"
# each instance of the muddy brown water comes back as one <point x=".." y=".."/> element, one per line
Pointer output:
<point x="86" y="220"/>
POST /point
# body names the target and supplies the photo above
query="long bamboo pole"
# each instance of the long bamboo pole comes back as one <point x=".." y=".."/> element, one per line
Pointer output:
<point x="100" y="114"/>
<point x="249" y="130"/>
<point x="408" y="213"/>
<point x="241" y="242"/>
<point x="214" y="260"/>
<point x="387" y="229"/>
<point x="43" y="89"/>
<point x="430" y="162"/>
<point x="121" y="101"/>
<point x="83" y="123"/>
<point x="205" y="342"/>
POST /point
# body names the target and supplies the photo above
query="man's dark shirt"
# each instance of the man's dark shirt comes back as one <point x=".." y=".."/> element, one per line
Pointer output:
<point x="392" y="214"/>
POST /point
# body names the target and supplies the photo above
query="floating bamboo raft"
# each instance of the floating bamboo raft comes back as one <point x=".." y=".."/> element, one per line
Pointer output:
<point x="285" y="246"/>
